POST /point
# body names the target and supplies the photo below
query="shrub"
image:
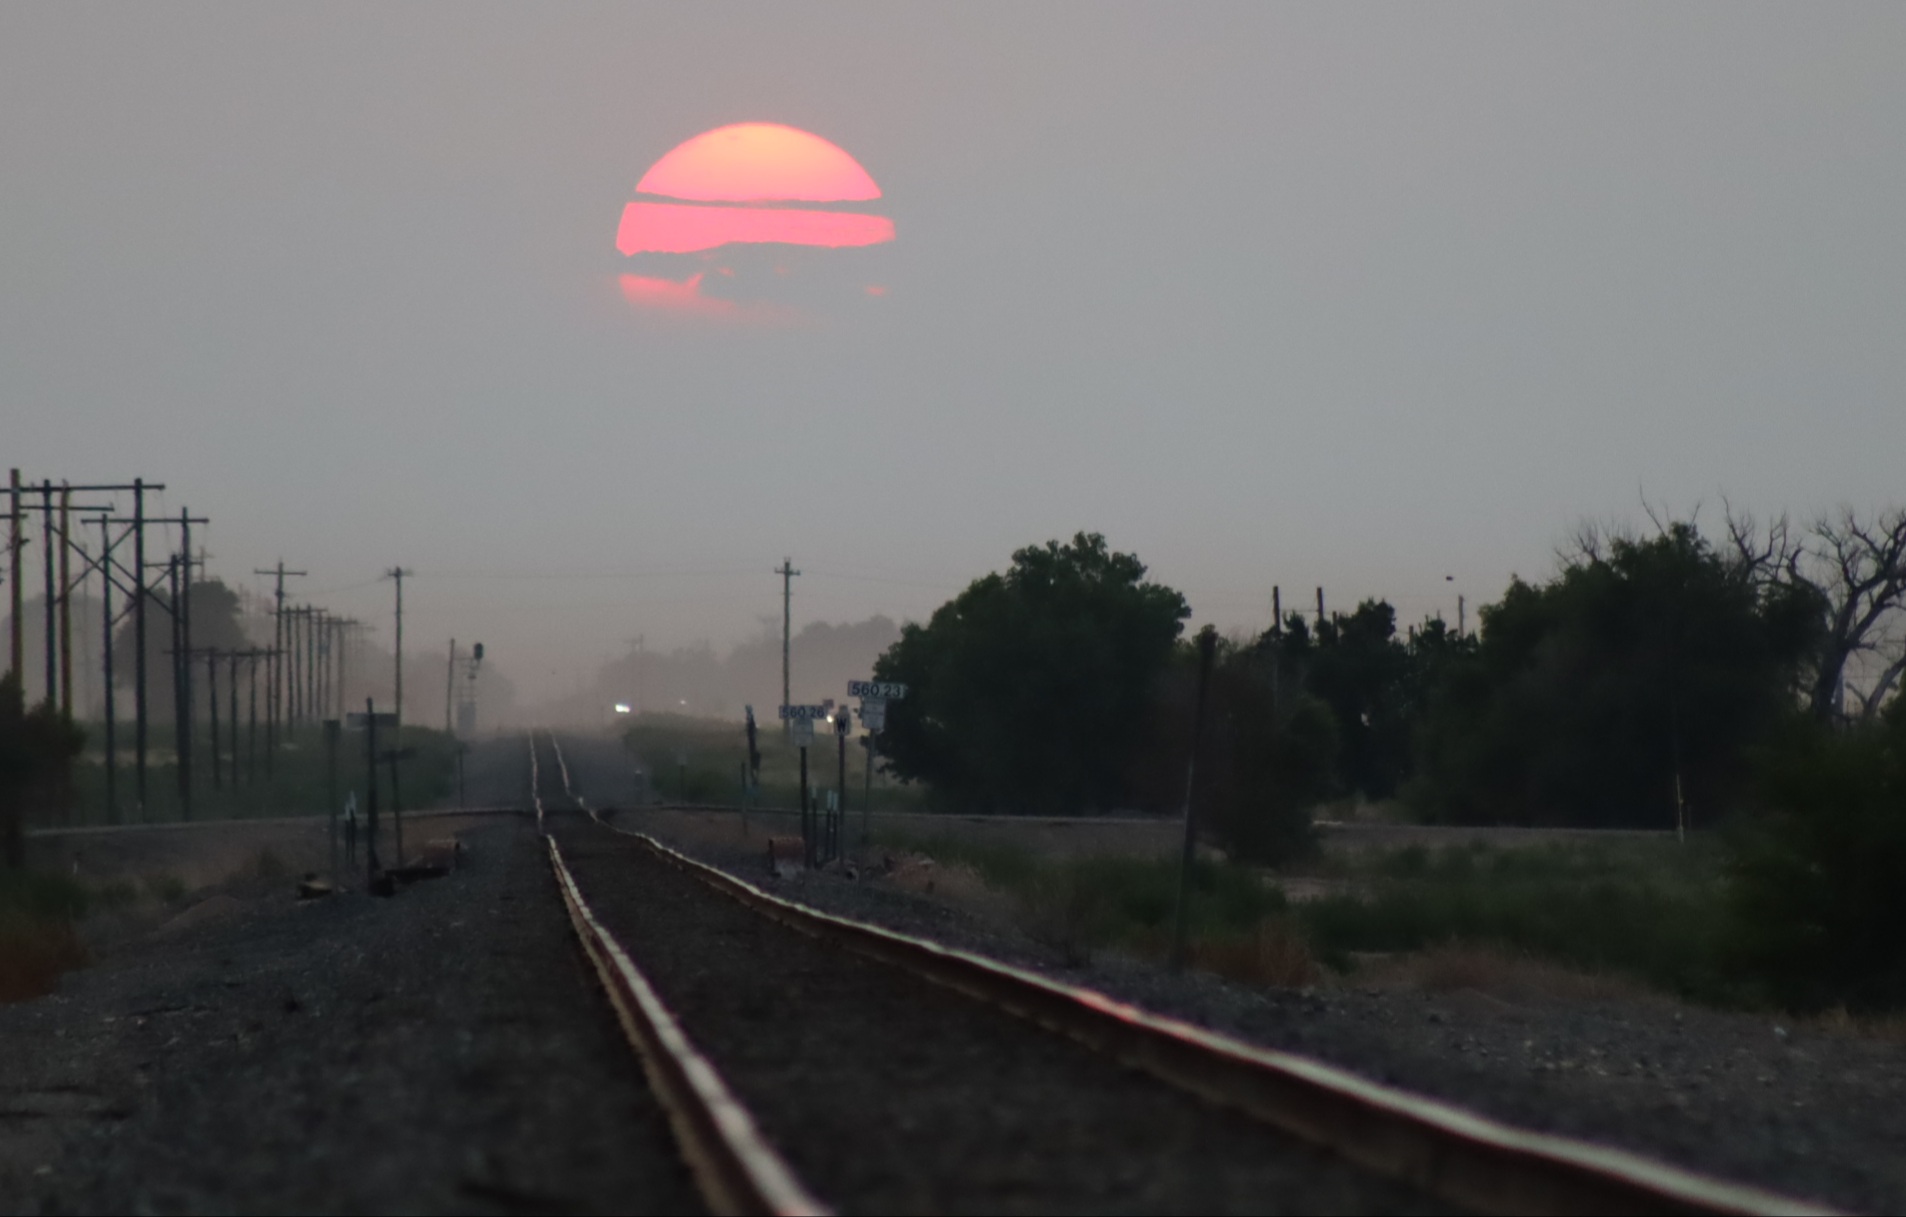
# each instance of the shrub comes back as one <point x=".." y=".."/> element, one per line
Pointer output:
<point x="1816" y="895"/>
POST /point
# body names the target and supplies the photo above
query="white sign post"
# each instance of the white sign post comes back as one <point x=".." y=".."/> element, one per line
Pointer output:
<point x="874" y="696"/>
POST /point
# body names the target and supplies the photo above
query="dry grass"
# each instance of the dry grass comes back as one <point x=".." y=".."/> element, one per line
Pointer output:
<point x="954" y="883"/>
<point x="1275" y="955"/>
<point x="1456" y="967"/>
<point x="1884" y="1028"/>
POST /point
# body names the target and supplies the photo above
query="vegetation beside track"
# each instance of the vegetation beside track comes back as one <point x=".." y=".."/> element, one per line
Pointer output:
<point x="39" y="938"/>
<point x="1651" y="911"/>
<point x="297" y="783"/>
<point x="698" y="760"/>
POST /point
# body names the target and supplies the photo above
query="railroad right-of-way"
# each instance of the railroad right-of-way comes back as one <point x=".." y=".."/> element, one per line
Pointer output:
<point x="884" y="1087"/>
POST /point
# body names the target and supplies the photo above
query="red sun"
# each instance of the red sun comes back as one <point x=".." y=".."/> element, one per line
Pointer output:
<point x="733" y="185"/>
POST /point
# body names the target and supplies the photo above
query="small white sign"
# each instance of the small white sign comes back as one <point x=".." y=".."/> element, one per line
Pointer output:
<point x="873" y="714"/>
<point x="803" y="732"/>
<point x="886" y="690"/>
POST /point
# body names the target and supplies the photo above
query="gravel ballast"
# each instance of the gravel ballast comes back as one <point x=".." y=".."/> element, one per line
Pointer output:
<point x="444" y="1050"/>
<point x="1754" y="1097"/>
<point x="890" y="1094"/>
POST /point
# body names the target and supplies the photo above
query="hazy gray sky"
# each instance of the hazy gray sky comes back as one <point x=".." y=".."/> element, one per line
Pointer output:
<point x="1351" y="295"/>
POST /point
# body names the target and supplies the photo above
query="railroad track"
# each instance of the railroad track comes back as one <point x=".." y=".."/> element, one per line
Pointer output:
<point x="1383" y="1149"/>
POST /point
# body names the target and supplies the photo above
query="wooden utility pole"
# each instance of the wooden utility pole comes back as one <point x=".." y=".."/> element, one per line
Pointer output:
<point x="66" y="602"/>
<point x="449" y="688"/>
<point x="183" y="608"/>
<point x="51" y="694"/>
<point x="274" y="670"/>
<point x="787" y="572"/>
<point x="16" y="655"/>
<point x="398" y="573"/>
<point x="106" y="612"/>
<point x="140" y="594"/>
<point x="231" y="685"/>
<point x="1277" y="612"/>
<point x="1320" y="607"/>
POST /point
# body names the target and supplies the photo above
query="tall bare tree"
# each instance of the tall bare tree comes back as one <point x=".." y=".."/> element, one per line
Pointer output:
<point x="1856" y="567"/>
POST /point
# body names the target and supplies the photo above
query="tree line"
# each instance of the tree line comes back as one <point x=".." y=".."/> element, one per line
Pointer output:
<point x="1633" y="688"/>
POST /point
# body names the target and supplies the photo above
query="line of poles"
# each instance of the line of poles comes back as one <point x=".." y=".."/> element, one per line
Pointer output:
<point x="303" y="672"/>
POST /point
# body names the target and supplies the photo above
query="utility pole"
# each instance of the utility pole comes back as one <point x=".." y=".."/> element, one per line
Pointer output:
<point x="274" y="677"/>
<point x="1277" y="612"/>
<point x="139" y="596"/>
<point x="294" y="669"/>
<point x="231" y="684"/>
<point x="1320" y="607"/>
<point x="787" y="572"/>
<point x="66" y="602"/>
<point x="184" y="610"/>
<point x="398" y="573"/>
<point x="16" y="655"/>
<point x="178" y="687"/>
<point x="1462" y="615"/>
<point x="47" y="559"/>
<point x="449" y="688"/>
<point x="106" y="612"/>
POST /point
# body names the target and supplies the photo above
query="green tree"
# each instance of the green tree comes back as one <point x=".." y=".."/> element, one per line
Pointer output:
<point x="215" y="623"/>
<point x="1640" y="674"/>
<point x="1030" y="688"/>
<point x="36" y="752"/>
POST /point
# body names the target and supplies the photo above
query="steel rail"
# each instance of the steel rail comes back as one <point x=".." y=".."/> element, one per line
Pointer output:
<point x="735" y="1169"/>
<point x="1458" y="1155"/>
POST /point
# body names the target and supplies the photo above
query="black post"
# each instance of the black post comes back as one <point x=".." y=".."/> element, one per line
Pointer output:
<point x="370" y="798"/>
<point x="867" y="798"/>
<point x="396" y="802"/>
<point x="333" y="731"/>
<point x="807" y="835"/>
<point x="842" y="723"/>
<point x="251" y="723"/>
<point x="1207" y="647"/>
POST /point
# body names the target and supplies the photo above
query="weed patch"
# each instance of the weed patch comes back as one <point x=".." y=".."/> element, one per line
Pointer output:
<point x="37" y="938"/>
<point x="1657" y="915"/>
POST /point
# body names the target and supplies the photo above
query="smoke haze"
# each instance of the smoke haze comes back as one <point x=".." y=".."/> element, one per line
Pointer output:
<point x="1298" y="295"/>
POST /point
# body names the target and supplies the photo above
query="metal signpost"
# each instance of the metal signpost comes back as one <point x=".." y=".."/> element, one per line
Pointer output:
<point x="800" y="721"/>
<point x="874" y="696"/>
<point x="368" y="722"/>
